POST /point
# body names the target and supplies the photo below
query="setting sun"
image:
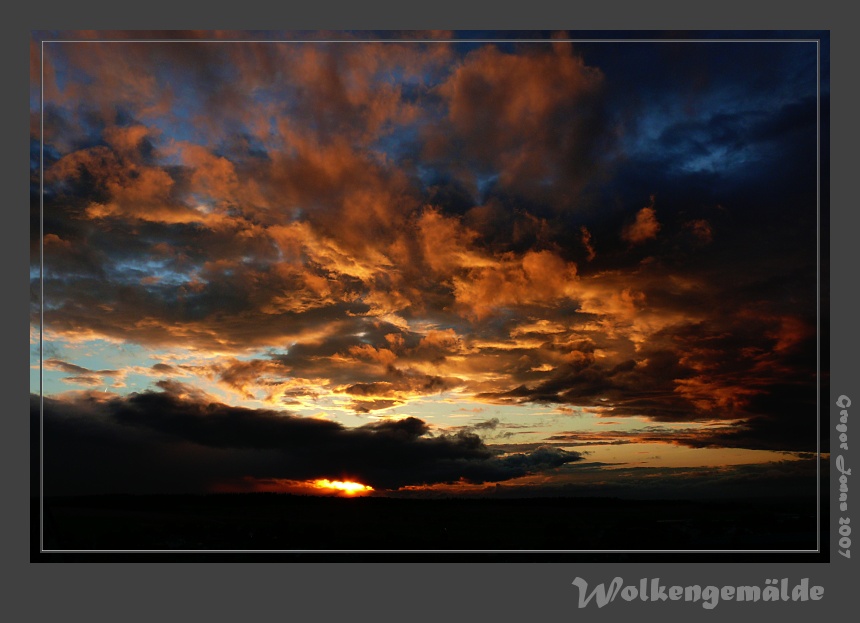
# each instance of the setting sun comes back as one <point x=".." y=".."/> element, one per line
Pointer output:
<point x="348" y="487"/>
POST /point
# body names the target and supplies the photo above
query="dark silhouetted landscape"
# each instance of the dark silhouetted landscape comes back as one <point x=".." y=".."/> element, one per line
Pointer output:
<point x="313" y="524"/>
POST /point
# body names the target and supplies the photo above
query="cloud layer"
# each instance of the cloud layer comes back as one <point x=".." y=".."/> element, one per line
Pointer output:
<point x="350" y="229"/>
<point x="179" y="442"/>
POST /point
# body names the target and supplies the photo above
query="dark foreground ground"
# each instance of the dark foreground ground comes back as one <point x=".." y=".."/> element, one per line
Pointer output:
<point x="330" y="528"/>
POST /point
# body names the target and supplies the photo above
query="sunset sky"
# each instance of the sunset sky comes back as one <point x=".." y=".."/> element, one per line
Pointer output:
<point x="428" y="267"/>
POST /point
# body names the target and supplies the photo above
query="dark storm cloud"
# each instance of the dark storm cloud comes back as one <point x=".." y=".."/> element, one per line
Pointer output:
<point x="490" y="424"/>
<point x="756" y="433"/>
<point x="152" y="438"/>
<point x="754" y="368"/>
<point x="735" y="134"/>
<point x="785" y="479"/>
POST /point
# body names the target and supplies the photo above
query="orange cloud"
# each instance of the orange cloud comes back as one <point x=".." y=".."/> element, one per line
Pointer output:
<point x="644" y="228"/>
<point x="586" y="242"/>
<point x="134" y="191"/>
<point x="482" y="282"/>
<point x="382" y="356"/>
<point x="504" y="109"/>
<point x="212" y="176"/>
<point x="713" y="395"/>
<point x="447" y="244"/>
<point x="119" y="75"/>
<point x="54" y="241"/>
<point x="534" y="279"/>
<point x="126" y="140"/>
<point x="701" y="229"/>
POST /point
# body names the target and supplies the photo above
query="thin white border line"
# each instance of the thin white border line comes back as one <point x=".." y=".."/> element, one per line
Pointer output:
<point x="431" y="41"/>
<point x="818" y="288"/>
<point x="41" y="294"/>
<point x="428" y="551"/>
<point x="42" y="307"/>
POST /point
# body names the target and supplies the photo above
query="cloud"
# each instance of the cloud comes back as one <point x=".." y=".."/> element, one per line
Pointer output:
<point x="790" y="479"/>
<point x="586" y="242"/>
<point x="537" y="278"/>
<point x="734" y="370"/>
<point x="754" y="433"/>
<point x="84" y="376"/>
<point x="644" y="228"/>
<point x="526" y="116"/>
<point x="180" y="440"/>
<point x="701" y="229"/>
<point x="490" y="424"/>
<point x="374" y="224"/>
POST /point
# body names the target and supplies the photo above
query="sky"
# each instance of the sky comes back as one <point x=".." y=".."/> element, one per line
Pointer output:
<point x="427" y="264"/>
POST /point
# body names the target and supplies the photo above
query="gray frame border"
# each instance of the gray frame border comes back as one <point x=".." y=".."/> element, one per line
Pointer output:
<point x="416" y="591"/>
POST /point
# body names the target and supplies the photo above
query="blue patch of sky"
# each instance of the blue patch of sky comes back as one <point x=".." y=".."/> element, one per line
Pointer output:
<point x="198" y="201"/>
<point x="50" y="155"/>
<point x="481" y="36"/>
<point x="55" y="54"/>
<point x="35" y="155"/>
<point x="179" y="124"/>
<point x="189" y="101"/>
<point x="398" y="145"/>
<point x="134" y="382"/>
<point x="49" y="303"/>
<point x="134" y="271"/>
<point x="52" y="382"/>
<point x="34" y="364"/>
<point x="718" y="159"/>
<point x="427" y="175"/>
<point x="101" y="354"/>
<point x="34" y="377"/>
<point x="93" y="355"/>
<point x="486" y="183"/>
<point x="254" y="148"/>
